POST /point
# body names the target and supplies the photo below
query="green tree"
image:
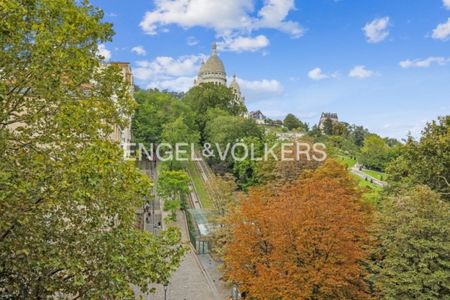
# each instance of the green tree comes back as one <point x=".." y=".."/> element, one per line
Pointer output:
<point x="427" y="161"/>
<point x="67" y="199"/>
<point x="328" y="126"/>
<point x="177" y="132"/>
<point x="209" y="95"/>
<point x="413" y="231"/>
<point x="340" y="129"/>
<point x="155" y="110"/>
<point x="358" y="134"/>
<point x="292" y="122"/>
<point x="227" y="130"/>
<point x="375" y="154"/>
<point x="173" y="186"/>
<point x="315" y="132"/>
<point x="244" y="170"/>
<point x="345" y="144"/>
<point x="306" y="127"/>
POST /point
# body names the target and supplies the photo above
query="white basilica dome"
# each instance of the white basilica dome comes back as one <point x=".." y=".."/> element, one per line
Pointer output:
<point x="212" y="70"/>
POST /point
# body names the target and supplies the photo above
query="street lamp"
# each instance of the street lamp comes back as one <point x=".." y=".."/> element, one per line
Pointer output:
<point x="165" y="290"/>
<point x="144" y="210"/>
<point x="153" y="214"/>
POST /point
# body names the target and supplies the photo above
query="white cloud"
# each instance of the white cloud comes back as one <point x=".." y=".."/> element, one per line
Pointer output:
<point x="424" y="63"/>
<point x="273" y="14"/>
<point x="442" y="31"/>
<point x="192" y="41"/>
<point x="317" y="74"/>
<point x="447" y="4"/>
<point x="261" y="86"/>
<point x="179" y="84"/>
<point x="360" y="72"/>
<point x="260" y="90"/>
<point x="251" y="89"/>
<point x="163" y="72"/>
<point x="139" y="50"/>
<point x="224" y="17"/>
<point x="377" y="30"/>
<point x="105" y="53"/>
<point x="165" y="67"/>
<point x="241" y="43"/>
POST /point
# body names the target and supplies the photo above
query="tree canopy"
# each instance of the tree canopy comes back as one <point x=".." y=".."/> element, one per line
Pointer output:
<point x="68" y="200"/>
<point x="173" y="184"/>
<point x="207" y="96"/>
<point x="426" y="161"/>
<point x="304" y="241"/>
<point x="375" y="153"/>
<point x="328" y="126"/>
<point x="157" y="109"/>
<point x="413" y="231"/>
<point x="225" y="129"/>
<point x="292" y="122"/>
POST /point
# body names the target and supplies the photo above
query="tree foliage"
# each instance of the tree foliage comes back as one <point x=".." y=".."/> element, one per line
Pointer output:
<point x="67" y="199"/>
<point x="328" y="126"/>
<point x="178" y="132"/>
<point x="225" y="130"/>
<point x="157" y="109"/>
<point x="277" y="171"/>
<point x="427" y="161"/>
<point x="292" y="122"/>
<point x="413" y="231"/>
<point x="340" y="129"/>
<point x="180" y="137"/>
<point x="230" y="129"/>
<point x="375" y="153"/>
<point x="305" y="241"/>
<point x="173" y="184"/>
<point x="206" y="96"/>
<point x="358" y="134"/>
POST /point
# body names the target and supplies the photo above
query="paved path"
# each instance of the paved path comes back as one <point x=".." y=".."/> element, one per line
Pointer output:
<point x="355" y="170"/>
<point x="208" y="264"/>
<point x="212" y="268"/>
<point x="190" y="281"/>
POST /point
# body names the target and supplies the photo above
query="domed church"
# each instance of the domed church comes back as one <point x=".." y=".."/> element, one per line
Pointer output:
<point x="213" y="71"/>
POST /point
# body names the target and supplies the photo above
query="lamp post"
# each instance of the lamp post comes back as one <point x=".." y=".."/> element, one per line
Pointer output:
<point x="154" y="178"/>
<point x="165" y="291"/>
<point x="144" y="210"/>
<point x="153" y="213"/>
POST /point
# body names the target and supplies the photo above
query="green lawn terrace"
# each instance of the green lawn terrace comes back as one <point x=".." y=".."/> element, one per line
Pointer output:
<point x="348" y="161"/>
<point x="371" y="191"/>
<point x="198" y="185"/>
<point x="375" y="174"/>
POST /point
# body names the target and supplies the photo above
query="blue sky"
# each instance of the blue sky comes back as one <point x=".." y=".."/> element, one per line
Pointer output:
<point x="384" y="64"/>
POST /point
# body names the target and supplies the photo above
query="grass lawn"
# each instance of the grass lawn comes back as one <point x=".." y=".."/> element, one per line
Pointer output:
<point x="366" y="184"/>
<point x="272" y="129"/>
<point x="346" y="160"/>
<point x="372" y="191"/>
<point x="199" y="185"/>
<point x="375" y="174"/>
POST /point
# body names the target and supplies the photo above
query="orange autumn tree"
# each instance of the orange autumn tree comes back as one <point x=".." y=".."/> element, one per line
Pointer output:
<point x="305" y="241"/>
